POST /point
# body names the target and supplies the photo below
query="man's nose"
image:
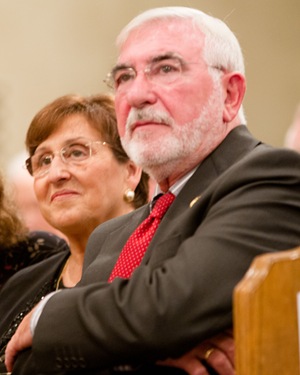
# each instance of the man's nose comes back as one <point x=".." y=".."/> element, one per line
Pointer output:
<point x="140" y="92"/>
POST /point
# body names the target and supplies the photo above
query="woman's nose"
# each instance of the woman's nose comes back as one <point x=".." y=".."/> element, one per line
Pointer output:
<point x="58" y="169"/>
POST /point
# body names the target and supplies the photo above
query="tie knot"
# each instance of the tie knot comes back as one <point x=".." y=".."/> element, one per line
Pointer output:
<point x="162" y="204"/>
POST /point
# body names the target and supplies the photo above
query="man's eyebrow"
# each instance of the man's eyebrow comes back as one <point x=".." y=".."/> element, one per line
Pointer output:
<point x="165" y="56"/>
<point x="120" y="67"/>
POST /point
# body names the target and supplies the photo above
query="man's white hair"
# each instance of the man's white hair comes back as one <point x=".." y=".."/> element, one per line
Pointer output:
<point x="221" y="47"/>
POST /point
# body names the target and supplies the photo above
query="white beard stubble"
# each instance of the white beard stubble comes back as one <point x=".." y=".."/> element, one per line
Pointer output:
<point x="192" y="141"/>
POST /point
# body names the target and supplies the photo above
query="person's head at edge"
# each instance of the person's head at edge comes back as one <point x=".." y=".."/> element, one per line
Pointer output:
<point x="179" y="85"/>
<point x="292" y="137"/>
<point x="76" y="197"/>
<point x="13" y="229"/>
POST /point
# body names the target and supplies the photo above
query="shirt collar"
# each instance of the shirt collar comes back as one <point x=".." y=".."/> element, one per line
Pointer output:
<point x="178" y="186"/>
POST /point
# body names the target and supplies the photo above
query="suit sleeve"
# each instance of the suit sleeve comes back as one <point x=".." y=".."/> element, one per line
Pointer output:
<point x="169" y="306"/>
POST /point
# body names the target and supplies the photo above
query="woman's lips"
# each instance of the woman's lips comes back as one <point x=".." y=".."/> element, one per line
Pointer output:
<point x="62" y="193"/>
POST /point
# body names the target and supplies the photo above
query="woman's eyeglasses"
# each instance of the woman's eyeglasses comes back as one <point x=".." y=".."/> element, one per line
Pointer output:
<point x="40" y="163"/>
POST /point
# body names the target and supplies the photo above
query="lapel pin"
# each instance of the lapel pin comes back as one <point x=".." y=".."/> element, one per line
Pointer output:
<point x="194" y="200"/>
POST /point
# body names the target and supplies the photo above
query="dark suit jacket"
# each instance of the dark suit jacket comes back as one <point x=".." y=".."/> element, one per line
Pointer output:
<point x="248" y="203"/>
<point x="23" y="291"/>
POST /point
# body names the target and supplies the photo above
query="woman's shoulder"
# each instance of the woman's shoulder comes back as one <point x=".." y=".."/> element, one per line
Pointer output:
<point x="41" y="245"/>
<point x="38" y="246"/>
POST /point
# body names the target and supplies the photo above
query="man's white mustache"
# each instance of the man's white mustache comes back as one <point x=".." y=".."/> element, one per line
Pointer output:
<point x="149" y="115"/>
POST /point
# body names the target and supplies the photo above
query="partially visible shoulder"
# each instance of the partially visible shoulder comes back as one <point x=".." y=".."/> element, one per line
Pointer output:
<point x="266" y="174"/>
<point x="37" y="273"/>
<point x="263" y="150"/>
<point x="263" y="166"/>
<point x="41" y="245"/>
<point x="272" y="161"/>
<point x="38" y="246"/>
<point x="45" y="239"/>
<point x="241" y="147"/>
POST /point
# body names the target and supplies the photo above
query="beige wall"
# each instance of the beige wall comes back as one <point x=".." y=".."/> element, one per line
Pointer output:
<point x="53" y="47"/>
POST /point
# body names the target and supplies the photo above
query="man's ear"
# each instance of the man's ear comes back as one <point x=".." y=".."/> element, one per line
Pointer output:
<point x="235" y="87"/>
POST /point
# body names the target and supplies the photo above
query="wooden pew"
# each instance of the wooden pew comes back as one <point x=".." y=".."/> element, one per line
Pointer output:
<point x="266" y="316"/>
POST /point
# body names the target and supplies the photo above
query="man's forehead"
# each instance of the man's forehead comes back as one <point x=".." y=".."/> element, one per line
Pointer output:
<point x="158" y="38"/>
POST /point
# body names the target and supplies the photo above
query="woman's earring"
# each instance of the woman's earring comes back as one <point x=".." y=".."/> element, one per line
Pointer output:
<point x="128" y="195"/>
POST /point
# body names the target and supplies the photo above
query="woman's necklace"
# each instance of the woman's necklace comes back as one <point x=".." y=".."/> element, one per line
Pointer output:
<point x="61" y="274"/>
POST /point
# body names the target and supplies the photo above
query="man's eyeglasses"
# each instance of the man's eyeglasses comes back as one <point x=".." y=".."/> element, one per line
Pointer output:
<point x="162" y="70"/>
<point x="39" y="164"/>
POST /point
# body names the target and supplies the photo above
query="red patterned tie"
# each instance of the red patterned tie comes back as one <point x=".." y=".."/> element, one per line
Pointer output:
<point x="136" y="246"/>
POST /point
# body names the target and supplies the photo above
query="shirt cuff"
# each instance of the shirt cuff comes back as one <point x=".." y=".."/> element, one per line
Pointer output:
<point x="38" y="311"/>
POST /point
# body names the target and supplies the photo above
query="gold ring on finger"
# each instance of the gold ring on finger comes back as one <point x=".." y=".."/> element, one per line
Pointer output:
<point x="208" y="353"/>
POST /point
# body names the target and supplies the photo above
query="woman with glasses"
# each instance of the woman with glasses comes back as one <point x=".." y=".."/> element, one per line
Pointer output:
<point x="82" y="178"/>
